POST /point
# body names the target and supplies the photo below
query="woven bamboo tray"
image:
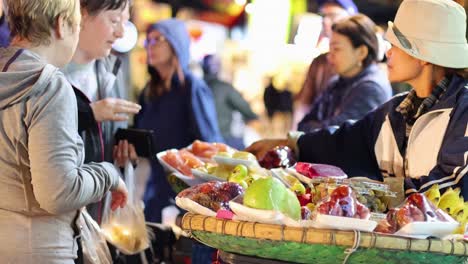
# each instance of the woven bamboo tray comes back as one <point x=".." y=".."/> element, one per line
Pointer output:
<point x="309" y="245"/>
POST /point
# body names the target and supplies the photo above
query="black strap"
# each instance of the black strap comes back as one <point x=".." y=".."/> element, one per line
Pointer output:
<point x="11" y="60"/>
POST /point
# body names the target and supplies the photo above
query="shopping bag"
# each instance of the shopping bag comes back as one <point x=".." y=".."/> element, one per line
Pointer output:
<point x="125" y="228"/>
<point x="93" y="242"/>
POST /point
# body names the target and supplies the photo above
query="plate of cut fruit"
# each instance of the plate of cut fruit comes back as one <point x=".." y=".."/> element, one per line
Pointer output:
<point x="204" y="173"/>
<point x="209" y="197"/>
<point x="180" y="162"/>
<point x="205" y="150"/>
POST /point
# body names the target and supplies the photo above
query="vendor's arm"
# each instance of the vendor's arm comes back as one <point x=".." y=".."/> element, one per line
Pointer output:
<point x="60" y="182"/>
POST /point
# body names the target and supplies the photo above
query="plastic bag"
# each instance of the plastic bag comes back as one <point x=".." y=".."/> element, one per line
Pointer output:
<point x="93" y="242"/>
<point x="417" y="216"/>
<point x="343" y="202"/>
<point x="125" y="228"/>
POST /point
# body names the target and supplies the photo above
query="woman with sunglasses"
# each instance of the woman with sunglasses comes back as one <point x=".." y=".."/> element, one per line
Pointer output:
<point x="417" y="139"/>
<point x="178" y="106"/>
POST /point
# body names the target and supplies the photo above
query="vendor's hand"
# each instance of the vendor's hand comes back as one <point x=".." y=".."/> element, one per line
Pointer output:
<point x="113" y="109"/>
<point x="119" y="196"/>
<point x="123" y="152"/>
<point x="261" y="147"/>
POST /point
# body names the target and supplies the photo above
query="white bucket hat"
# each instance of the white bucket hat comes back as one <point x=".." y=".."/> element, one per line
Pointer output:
<point x="432" y="31"/>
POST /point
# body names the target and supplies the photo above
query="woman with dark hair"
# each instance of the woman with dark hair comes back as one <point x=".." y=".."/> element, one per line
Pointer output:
<point x="97" y="81"/>
<point x="176" y="105"/>
<point x="318" y="75"/>
<point x="359" y="86"/>
<point x="417" y="139"/>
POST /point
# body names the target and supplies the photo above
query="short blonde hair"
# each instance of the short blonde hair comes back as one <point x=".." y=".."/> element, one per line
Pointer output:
<point x="34" y="19"/>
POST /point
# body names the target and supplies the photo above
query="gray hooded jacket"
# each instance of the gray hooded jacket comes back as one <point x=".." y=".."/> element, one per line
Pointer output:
<point x="43" y="181"/>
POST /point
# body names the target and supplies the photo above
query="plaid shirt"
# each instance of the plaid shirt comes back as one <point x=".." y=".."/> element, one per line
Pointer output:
<point x="406" y="106"/>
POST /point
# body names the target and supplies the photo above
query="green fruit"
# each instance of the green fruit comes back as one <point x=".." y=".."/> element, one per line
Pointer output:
<point x="291" y="206"/>
<point x="222" y="171"/>
<point x="298" y="188"/>
<point x="240" y="171"/>
<point x="264" y="194"/>
<point x="243" y="155"/>
<point x="270" y="194"/>
<point x="237" y="178"/>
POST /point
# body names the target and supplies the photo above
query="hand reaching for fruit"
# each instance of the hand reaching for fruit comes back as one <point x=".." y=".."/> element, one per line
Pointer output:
<point x="260" y="148"/>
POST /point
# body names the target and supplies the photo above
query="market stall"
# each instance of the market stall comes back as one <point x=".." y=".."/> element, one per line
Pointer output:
<point x="280" y="209"/>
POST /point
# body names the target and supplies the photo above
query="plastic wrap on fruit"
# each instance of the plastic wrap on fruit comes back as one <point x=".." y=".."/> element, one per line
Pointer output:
<point x="389" y="224"/>
<point x="416" y="208"/>
<point x="311" y="170"/>
<point x="213" y="195"/>
<point x="427" y="208"/>
<point x="343" y="202"/>
<point x="280" y="156"/>
<point x="306" y="214"/>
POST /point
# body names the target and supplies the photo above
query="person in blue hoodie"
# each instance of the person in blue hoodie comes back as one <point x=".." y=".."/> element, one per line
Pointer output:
<point x="4" y="30"/>
<point x="417" y="139"/>
<point x="176" y="105"/>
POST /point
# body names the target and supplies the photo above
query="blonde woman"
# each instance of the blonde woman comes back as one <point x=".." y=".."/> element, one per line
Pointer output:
<point x="43" y="182"/>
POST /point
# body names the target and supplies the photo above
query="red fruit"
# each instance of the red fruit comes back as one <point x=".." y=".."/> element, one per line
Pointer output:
<point x="206" y="187"/>
<point x="336" y="210"/>
<point x="362" y="212"/>
<point x="319" y="170"/>
<point x="304" y="199"/>
<point x="342" y="192"/>
<point x="403" y="216"/>
<point x="416" y="213"/>
<point x="280" y="156"/>
<point x="324" y="208"/>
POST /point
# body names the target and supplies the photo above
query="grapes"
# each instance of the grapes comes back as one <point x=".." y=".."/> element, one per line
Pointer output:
<point x="240" y="175"/>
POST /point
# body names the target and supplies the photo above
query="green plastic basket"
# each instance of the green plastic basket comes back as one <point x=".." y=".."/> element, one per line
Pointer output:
<point x="308" y="245"/>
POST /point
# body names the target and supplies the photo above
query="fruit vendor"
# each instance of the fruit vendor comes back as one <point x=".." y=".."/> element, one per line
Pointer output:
<point x="416" y="139"/>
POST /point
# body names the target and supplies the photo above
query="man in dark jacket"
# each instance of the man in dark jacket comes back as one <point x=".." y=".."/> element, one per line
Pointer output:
<point x="228" y="101"/>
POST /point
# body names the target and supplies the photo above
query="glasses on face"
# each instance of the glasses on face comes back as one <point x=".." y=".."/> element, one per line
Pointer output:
<point x="154" y="41"/>
<point x="330" y="15"/>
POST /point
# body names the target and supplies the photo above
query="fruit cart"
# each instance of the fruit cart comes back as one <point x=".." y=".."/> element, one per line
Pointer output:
<point x="309" y="245"/>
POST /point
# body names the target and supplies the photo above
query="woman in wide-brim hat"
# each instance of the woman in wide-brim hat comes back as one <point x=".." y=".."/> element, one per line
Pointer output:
<point x="419" y="138"/>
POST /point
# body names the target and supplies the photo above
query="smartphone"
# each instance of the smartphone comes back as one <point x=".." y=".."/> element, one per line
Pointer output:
<point x="142" y="139"/>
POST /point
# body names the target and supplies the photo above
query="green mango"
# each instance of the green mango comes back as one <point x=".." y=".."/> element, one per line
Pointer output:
<point x="291" y="206"/>
<point x="270" y="194"/>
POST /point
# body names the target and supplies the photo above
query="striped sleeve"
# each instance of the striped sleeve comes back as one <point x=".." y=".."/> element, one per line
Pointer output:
<point x="451" y="169"/>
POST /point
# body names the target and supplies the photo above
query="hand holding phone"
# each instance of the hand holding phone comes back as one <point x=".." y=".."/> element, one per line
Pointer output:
<point x="141" y="139"/>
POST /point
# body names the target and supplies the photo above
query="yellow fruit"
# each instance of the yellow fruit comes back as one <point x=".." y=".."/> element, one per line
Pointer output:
<point x="243" y="155"/>
<point x="461" y="212"/>
<point x="433" y="194"/>
<point x="461" y="228"/>
<point x="450" y="200"/>
<point x="224" y="154"/>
